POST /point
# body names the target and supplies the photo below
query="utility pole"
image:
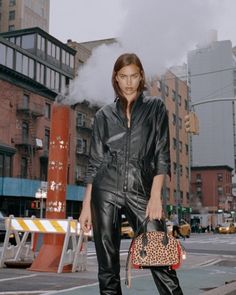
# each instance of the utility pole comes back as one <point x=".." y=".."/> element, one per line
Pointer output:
<point x="177" y="149"/>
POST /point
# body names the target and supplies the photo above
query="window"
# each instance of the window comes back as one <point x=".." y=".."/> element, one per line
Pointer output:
<point x="9" y="57"/>
<point x="174" y="119"/>
<point x="40" y="43"/>
<point x="179" y="99"/>
<point x="198" y="178"/>
<point x="27" y="41"/>
<point x="186" y="149"/>
<point x="24" y="167"/>
<point x="220" y="177"/>
<point x="5" y="165"/>
<point x="25" y="132"/>
<point x="12" y="3"/>
<point x="25" y="101"/>
<point x="180" y="123"/>
<point x="220" y="190"/>
<point x="181" y="169"/>
<point x="166" y="90"/>
<point x="174" y="143"/>
<point x="46" y="139"/>
<point x="159" y="85"/>
<point x="174" y="167"/>
<point x="180" y="146"/>
<point x="40" y="73"/>
<point x="48" y="110"/>
<point x="187" y="171"/>
<point x="19" y="58"/>
<point x="80" y="119"/>
<point x="72" y="61"/>
<point x="173" y="95"/>
<point x="81" y="146"/>
<point x="186" y="104"/>
<point x="11" y="28"/>
<point x="12" y="14"/>
<point x="2" y="54"/>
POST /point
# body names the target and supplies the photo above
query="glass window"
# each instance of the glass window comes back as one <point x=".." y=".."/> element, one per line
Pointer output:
<point x="174" y="143"/>
<point x="9" y="61"/>
<point x="31" y="68"/>
<point x="220" y="177"/>
<point x="47" y="139"/>
<point x="63" y="56"/>
<point x="166" y="90"/>
<point x="48" y="110"/>
<point x="53" y="50"/>
<point x="25" y="132"/>
<point x="52" y="86"/>
<point x="72" y="60"/>
<point x="2" y="54"/>
<point x="24" y="167"/>
<point x="179" y="99"/>
<point x="58" y="53"/>
<point x="12" y="2"/>
<point x="63" y="84"/>
<point x="25" y="101"/>
<point x="40" y="73"/>
<point x="185" y="104"/>
<point x="19" y="62"/>
<point x="49" y="50"/>
<point x="28" y="41"/>
<point x="174" y="119"/>
<point x="186" y="149"/>
<point x="12" y="14"/>
<point x="173" y="94"/>
<point x="18" y="41"/>
<point x="80" y="119"/>
<point x="57" y="77"/>
<point x="25" y="65"/>
<point x="67" y="58"/>
<point x="48" y="77"/>
<point x="11" y="28"/>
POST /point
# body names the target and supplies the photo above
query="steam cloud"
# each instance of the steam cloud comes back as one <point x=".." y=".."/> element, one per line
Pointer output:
<point x="159" y="32"/>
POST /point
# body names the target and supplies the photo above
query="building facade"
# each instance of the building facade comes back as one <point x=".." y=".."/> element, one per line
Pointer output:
<point x="21" y="14"/>
<point x="212" y="75"/>
<point x="34" y="68"/>
<point x="174" y="92"/>
<point x="212" y="189"/>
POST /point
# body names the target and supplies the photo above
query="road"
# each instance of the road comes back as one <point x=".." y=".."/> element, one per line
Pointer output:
<point x="210" y="262"/>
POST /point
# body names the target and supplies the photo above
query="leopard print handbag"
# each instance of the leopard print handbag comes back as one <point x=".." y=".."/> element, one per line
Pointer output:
<point x="155" y="248"/>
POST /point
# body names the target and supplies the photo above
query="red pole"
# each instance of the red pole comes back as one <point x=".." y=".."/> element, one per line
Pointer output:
<point x="50" y="252"/>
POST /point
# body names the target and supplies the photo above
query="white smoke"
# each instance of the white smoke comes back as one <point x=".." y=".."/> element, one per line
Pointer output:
<point x="159" y="32"/>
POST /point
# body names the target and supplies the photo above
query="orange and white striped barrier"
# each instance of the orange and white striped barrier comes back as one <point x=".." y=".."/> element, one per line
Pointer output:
<point x="76" y="255"/>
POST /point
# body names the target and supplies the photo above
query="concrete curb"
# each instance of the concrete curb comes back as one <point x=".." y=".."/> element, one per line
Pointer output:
<point x="227" y="289"/>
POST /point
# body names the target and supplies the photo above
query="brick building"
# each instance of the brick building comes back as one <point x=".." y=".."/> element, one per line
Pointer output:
<point x="212" y="189"/>
<point x="34" y="68"/>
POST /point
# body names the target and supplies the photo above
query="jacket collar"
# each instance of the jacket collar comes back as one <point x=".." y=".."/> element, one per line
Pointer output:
<point x="134" y="110"/>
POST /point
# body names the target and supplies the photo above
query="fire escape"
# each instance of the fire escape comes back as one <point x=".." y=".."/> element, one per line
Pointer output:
<point x="26" y="139"/>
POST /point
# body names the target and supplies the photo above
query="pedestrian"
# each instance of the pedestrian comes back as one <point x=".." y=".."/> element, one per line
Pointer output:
<point x="129" y="158"/>
<point x="176" y="228"/>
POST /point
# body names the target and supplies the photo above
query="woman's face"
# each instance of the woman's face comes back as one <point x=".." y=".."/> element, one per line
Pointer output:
<point x="128" y="79"/>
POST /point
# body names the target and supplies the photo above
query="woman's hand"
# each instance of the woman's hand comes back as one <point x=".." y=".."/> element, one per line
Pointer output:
<point x="154" y="208"/>
<point x="85" y="218"/>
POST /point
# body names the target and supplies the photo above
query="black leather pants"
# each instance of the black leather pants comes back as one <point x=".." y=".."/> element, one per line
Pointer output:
<point x="106" y="208"/>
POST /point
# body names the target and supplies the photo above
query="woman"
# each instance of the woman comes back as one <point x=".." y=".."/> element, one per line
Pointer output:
<point x="129" y="157"/>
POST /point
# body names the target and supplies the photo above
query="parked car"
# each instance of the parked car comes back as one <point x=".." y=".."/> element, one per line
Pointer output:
<point x="184" y="227"/>
<point x="126" y="230"/>
<point x="227" y="228"/>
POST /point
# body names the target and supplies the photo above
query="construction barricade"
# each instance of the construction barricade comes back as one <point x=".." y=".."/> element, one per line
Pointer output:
<point x="74" y="251"/>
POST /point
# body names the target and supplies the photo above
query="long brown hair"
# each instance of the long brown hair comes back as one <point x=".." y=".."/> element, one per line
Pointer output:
<point x="123" y="60"/>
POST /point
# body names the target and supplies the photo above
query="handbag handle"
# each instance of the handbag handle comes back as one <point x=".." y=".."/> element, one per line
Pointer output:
<point x="144" y="224"/>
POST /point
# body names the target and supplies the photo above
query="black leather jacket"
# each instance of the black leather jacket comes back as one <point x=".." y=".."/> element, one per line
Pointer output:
<point x="126" y="159"/>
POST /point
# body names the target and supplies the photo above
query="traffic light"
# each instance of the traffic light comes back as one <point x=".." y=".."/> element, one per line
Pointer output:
<point x="191" y="123"/>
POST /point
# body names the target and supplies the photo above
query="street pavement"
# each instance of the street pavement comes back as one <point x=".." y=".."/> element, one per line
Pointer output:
<point x="200" y="273"/>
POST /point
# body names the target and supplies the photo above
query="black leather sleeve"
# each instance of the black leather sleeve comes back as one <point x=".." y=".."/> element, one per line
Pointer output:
<point x="162" y="149"/>
<point x="96" y="153"/>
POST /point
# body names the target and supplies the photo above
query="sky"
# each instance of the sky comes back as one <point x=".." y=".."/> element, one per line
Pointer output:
<point x="161" y="32"/>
